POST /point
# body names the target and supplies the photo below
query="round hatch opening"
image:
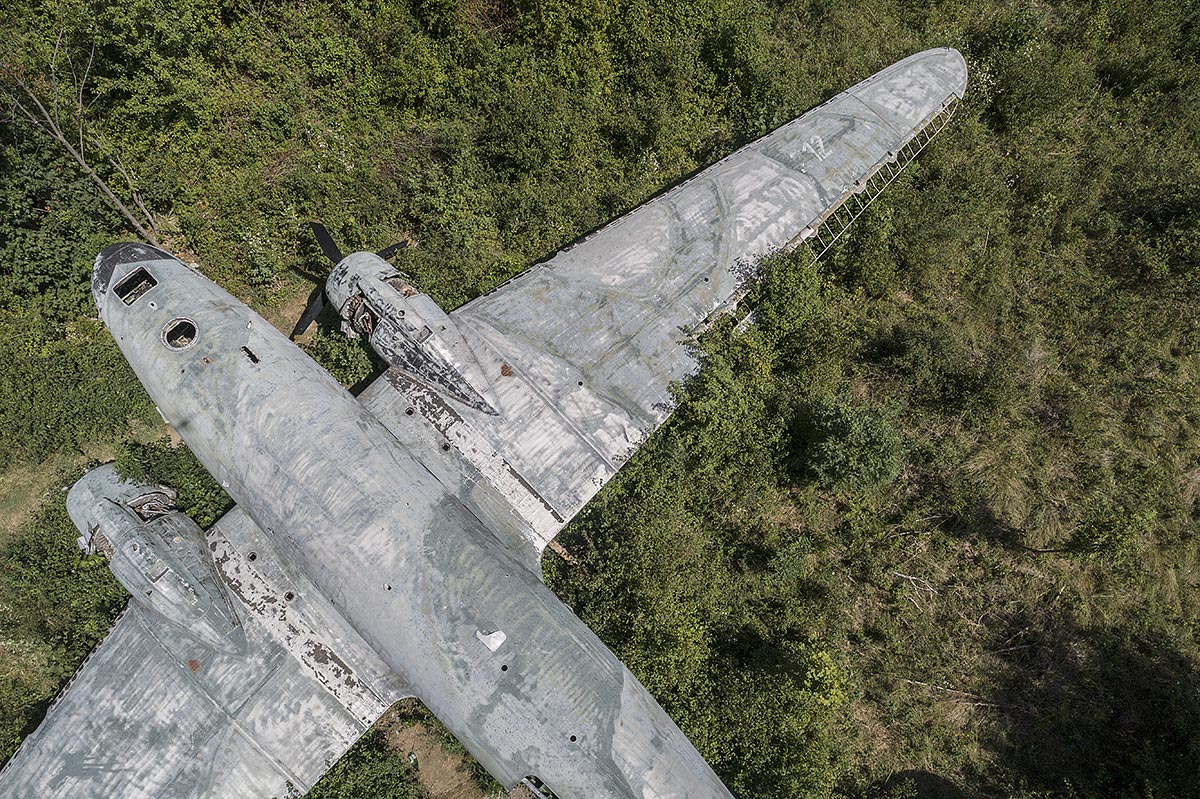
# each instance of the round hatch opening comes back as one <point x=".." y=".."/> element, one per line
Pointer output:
<point x="179" y="334"/>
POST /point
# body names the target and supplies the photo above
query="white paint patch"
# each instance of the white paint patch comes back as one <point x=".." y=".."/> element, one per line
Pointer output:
<point x="491" y="640"/>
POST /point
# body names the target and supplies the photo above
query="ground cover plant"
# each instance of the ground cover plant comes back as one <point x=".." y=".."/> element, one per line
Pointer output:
<point x="926" y="529"/>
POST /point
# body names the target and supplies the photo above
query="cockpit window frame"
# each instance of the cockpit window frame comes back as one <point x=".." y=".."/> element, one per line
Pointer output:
<point x="135" y="285"/>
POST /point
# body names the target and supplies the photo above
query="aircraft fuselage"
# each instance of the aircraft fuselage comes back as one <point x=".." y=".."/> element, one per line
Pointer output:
<point x="493" y="653"/>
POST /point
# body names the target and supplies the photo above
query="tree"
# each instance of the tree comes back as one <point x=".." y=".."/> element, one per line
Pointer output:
<point x="58" y="111"/>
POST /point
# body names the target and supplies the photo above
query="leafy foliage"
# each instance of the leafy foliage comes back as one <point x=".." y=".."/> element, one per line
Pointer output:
<point x="853" y="447"/>
<point x="62" y="389"/>
<point x="349" y="361"/>
<point x="199" y="494"/>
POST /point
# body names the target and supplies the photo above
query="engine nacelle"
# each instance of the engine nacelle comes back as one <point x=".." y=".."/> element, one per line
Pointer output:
<point x="156" y="552"/>
<point x="406" y="328"/>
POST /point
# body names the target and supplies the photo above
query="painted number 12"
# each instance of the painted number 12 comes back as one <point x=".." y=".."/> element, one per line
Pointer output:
<point x="816" y="146"/>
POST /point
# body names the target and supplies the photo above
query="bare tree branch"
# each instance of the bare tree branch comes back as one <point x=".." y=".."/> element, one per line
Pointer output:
<point x="116" y="163"/>
<point x="54" y="78"/>
<point x="27" y="104"/>
<point x="79" y="97"/>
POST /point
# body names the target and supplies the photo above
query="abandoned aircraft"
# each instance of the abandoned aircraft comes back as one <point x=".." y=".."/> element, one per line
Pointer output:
<point x="388" y="545"/>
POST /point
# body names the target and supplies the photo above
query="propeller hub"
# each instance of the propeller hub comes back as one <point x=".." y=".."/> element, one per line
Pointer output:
<point x="341" y="285"/>
<point x="343" y="281"/>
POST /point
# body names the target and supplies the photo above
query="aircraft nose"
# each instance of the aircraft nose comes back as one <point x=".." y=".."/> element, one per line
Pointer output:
<point x="114" y="255"/>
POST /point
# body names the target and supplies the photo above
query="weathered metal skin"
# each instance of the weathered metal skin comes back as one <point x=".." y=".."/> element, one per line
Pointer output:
<point x="129" y="252"/>
<point x="162" y="561"/>
<point x="419" y="577"/>
<point x="406" y="328"/>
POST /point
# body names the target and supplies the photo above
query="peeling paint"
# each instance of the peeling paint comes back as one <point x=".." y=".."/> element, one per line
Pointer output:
<point x="544" y="521"/>
<point x="289" y="630"/>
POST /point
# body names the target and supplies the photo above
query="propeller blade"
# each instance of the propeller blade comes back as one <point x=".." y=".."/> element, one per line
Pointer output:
<point x="389" y="251"/>
<point x="326" y="241"/>
<point x="316" y="304"/>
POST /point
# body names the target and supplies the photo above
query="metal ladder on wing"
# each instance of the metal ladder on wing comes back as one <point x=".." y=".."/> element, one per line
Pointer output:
<point x="839" y="218"/>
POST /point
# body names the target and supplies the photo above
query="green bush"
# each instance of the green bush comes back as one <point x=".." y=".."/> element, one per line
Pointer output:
<point x="172" y="464"/>
<point x="350" y="361"/>
<point x="63" y="390"/>
<point x="1109" y="530"/>
<point x="853" y="447"/>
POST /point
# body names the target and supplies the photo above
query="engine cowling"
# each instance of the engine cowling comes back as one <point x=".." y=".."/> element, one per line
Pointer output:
<point x="406" y="328"/>
<point x="157" y="552"/>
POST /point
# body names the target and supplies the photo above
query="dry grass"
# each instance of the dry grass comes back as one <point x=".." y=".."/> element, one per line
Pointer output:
<point x="24" y="488"/>
<point x="284" y="314"/>
<point x="446" y="774"/>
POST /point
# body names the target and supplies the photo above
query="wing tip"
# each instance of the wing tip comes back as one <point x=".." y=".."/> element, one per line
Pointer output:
<point x="952" y="68"/>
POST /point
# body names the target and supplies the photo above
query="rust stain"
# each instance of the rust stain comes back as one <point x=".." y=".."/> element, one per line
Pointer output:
<point x="506" y="370"/>
<point x="194" y="665"/>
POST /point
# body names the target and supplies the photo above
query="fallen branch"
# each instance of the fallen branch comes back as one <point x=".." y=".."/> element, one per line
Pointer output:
<point x="979" y="699"/>
<point x="561" y="551"/>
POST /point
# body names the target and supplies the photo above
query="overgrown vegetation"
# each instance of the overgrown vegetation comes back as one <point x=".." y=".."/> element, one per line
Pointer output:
<point x="409" y="712"/>
<point x="199" y="495"/>
<point x="55" y="606"/>
<point x="928" y="526"/>
<point x="370" y="768"/>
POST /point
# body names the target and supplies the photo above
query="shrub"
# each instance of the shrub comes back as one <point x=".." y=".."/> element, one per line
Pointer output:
<point x="853" y="447"/>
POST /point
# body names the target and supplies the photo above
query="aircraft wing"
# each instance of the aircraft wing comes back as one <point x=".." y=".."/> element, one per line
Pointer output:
<point x="579" y="352"/>
<point x="158" y="711"/>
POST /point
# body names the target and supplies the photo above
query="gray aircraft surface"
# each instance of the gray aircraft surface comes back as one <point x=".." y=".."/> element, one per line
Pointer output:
<point x="388" y="545"/>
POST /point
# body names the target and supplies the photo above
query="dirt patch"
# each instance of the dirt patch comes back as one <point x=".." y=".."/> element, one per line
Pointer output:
<point x="24" y="488"/>
<point x="144" y="433"/>
<point x="445" y="773"/>
<point x="139" y="431"/>
<point x="286" y="314"/>
<point x="442" y="773"/>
